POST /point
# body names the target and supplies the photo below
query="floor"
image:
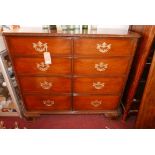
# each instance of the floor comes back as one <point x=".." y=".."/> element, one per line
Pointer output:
<point x="69" y="122"/>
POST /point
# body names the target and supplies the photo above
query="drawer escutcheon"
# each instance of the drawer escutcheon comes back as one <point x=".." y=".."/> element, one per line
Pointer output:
<point x="101" y="67"/>
<point x="40" y="47"/>
<point x="46" y="85"/>
<point x="42" y="66"/>
<point x="48" y="103"/>
<point x="96" y="103"/>
<point x="104" y="47"/>
<point x="98" y="85"/>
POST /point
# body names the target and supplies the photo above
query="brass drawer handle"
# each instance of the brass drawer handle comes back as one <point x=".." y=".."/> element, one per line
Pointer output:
<point x="48" y="103"/>
<point x="40" y="47"/>
<point x="98" y="85"/>
<point x="42" y="66"/>
<point x="96" y="103"/>
<point x="46" y="85"/>
<point x="104" y="47"/>
<point x="101" y="67"/>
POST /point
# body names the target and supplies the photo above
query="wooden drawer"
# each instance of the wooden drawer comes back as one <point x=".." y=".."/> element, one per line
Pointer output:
<point x="37" y="45"/>
<point x="47" y="103"/>
<point x="95" y="102"/>
<point x="45" y="84"/>
<point x="109" y="66"/>
<point x="37" y="66"/>
<point x="103" y="47"/>
<point x="98" y="85"/>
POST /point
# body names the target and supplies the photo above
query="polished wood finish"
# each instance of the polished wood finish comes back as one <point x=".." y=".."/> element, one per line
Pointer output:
<point x="98" y="85"/>
<point x="35" y="102"/>
<point x="146" y="115"/>
<point x="148" y="33"/>
<point x="99" y="102"/>
<point x="33" y="84"/>
<point x="73" y="70"/>
<point x="88" y="47"/>
<point x="115" y="66"/>
<point x="32" y="66"/>
<point x="24" y="45"/>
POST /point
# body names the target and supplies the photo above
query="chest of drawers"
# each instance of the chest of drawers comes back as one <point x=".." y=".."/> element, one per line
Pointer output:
<point x="87" y="75"/>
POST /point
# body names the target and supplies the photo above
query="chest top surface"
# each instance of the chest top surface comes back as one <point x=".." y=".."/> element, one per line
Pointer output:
<point x="36" y="31"/>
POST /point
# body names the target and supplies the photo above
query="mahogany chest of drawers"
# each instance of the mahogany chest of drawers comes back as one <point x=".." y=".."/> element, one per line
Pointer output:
<point x="87" y="75"/>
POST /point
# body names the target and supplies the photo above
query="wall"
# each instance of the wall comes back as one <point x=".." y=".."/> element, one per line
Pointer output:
<point x="124" y="27"/>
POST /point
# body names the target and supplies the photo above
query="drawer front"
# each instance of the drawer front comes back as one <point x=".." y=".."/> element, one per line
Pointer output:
<point x="98" y="85"/>
<point x="38" y="66"/>
<point x="38" y="45"/>
<point x="47" y="103"/>
<point x="109" y="66"/>
<point x="95" y="102"/>
<point x="45" y="84"/>
<point x="103" y="47"/>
